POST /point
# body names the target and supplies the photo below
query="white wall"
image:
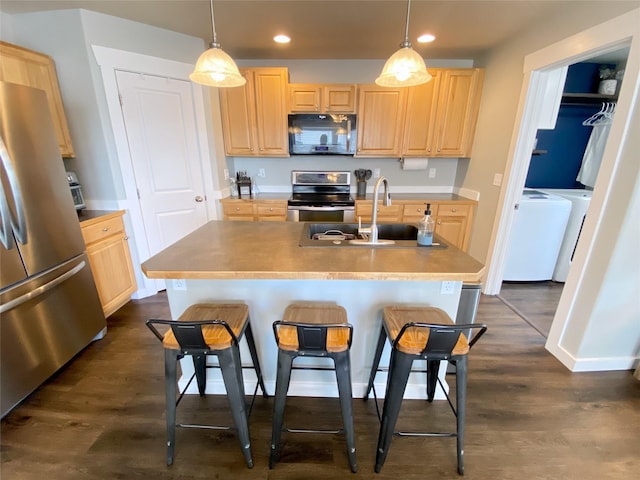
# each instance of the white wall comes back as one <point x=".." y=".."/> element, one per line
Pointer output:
<point x="67" y="36"/>
<point x="498" y="109"/>
<point x="596" y="326"/>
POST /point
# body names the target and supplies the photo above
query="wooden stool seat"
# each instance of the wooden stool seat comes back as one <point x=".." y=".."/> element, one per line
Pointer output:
<point x="315" y="313"/>
<point x="314" y="329"/>
<point x="421" y="333"/>
<point x="202" y="330"/>
<point x="415" y="339"/>
<point x="215" y="336"/>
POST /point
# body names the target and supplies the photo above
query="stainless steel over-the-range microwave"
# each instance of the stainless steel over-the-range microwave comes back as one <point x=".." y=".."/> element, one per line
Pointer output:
<point x="322" y="134"/>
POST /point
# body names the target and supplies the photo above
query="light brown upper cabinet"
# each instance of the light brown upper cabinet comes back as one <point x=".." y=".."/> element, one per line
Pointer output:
<point x="436" y="119"/>
<point x="254" y="116"/>
<point x="381" y="114"/>
<point x="33" y="69"/>
<point x="420" y="120"/>
<point x="318" y="98"/>
<point x="458" y="104"/>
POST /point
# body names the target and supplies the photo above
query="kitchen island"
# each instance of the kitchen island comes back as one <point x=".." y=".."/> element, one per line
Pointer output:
<point x="263" y="264"/>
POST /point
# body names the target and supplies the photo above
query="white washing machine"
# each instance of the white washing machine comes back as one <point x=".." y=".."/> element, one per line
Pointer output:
<point x="580" y="200"/>
<point x="536" y="236"/>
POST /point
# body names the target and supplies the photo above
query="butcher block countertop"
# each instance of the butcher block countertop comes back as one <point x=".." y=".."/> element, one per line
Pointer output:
<point x="270" y="250"/>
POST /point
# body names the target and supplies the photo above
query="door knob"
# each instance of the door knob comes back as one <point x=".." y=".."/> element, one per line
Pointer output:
<point x="199" y="199"/>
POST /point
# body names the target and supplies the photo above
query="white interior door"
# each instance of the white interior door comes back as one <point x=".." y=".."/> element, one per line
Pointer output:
<point x="160" y="123"/>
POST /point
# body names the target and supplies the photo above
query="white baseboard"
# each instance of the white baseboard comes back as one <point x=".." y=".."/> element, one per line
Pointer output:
<point x="592" y="364"/>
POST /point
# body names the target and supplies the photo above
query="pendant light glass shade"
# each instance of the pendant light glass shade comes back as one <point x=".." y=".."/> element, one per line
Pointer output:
<point x="215" y="68"/>
<point x="406" y="67"/>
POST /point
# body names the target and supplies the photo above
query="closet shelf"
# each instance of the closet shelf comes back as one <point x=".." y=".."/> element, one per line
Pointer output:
<point x="586" y="98"/>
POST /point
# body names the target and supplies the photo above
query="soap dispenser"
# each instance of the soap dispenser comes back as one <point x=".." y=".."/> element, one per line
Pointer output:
<point x="425" y="228"/>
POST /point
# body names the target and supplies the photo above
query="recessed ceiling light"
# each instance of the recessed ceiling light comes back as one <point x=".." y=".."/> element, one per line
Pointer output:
<point x="281" y="39"/>
<point x="426" y="38"/>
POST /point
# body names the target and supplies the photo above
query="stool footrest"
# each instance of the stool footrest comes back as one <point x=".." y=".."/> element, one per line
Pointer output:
<point x="208" y="427"/>
<point x="308" y="430"/>
<point x="425" y="434"/>
<point x="330" y="369"/>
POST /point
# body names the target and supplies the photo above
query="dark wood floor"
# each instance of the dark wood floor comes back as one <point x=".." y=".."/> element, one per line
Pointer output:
<point x="535" y="302"/>
<point x="102" y="417"/>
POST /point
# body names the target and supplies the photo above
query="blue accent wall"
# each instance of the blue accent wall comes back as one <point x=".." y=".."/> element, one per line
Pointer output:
<point x="565" y="145"/>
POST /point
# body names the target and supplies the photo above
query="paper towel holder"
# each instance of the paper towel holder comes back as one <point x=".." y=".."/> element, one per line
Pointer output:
<point x="414" y="163"/>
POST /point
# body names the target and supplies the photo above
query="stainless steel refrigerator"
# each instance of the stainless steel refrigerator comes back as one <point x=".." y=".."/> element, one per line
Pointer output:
<point x="49" y="305"/>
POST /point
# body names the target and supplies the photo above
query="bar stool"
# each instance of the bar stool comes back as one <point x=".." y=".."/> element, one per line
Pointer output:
<point x="314" y="330"/>
<point x="209" y="329"/>
<point x="421" y="333"/>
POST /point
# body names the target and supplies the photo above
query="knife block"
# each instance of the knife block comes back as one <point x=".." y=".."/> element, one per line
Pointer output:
<point x="244" y="187"/>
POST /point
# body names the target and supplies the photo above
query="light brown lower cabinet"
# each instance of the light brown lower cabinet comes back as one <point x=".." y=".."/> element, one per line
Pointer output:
<point x="254" y="209"/>
<point x="110" y="259"/>
<point x="453" y="219"/>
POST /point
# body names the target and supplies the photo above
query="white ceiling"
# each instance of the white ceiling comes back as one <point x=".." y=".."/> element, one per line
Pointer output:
<point x="327" y="29"/>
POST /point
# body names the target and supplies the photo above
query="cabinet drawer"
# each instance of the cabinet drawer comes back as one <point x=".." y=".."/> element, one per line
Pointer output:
<point x="238" y="208"/>
<point x="271" y="210"/>
<point x="415" y="211"/>
<point x="104" y="229"/>
<point x="391" y="213"/>
<point x="453" y="210"/>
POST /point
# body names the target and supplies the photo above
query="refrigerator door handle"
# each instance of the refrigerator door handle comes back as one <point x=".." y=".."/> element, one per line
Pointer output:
<point x="19" y="223"/>
<point x="42" y="289"/>
<point x="6" y="239"/>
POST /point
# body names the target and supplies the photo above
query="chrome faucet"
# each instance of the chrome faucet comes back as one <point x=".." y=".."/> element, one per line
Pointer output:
<point x="372" y="230"/>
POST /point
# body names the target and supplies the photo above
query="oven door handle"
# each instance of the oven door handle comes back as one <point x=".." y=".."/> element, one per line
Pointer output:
<point x="323" y="209"/>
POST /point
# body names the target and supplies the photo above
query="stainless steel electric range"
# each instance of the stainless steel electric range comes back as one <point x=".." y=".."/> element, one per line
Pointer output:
<point x="321" y="196"/>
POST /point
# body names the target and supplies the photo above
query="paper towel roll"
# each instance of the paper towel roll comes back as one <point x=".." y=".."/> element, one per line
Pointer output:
<point x="414" y="163"/>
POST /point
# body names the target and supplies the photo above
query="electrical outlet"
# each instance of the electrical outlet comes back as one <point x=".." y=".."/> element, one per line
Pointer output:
<point x="226" y="174"/>
<point x="432" y="173"/>
<point x="447" y="288"/>
<point x="179" y="284"/>
<point x="262" y="173"/>
<point x="376" y="172"/>
<point x="497" y="179"/>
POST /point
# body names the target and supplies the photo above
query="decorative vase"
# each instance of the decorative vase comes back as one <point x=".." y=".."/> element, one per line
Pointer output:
<point x="607" y="87"/>
<point x="362" y="189"/>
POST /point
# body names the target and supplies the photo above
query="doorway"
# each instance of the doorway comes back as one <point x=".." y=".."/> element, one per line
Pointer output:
<point x="601" y="281"/>
<point x="162" y="206"/>
<point x="554" y="169"/>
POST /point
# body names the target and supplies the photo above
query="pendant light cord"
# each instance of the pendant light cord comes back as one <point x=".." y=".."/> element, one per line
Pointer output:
<point x="213" y="28"/>
<point x="406" y="42"/>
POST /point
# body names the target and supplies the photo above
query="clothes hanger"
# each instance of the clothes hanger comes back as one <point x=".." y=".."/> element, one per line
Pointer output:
<point x="603" y="117"/>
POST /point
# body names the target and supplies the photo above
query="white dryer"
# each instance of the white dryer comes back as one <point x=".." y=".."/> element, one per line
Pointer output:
<point x="580" y="200"/>
<point x="536" y="236"/>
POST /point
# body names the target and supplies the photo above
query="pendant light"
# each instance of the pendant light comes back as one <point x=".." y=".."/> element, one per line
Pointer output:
<point x="215" y="68"/>
<point x="406" y="67"/>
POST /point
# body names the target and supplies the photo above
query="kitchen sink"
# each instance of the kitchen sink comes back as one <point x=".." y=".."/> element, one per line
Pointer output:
<point x="342" y="234"/>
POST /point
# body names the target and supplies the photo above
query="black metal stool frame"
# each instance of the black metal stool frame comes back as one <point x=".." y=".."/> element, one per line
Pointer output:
<point x="191" y="341"/>
<point x="441" y="342"/>
<point x="312" y="343"/>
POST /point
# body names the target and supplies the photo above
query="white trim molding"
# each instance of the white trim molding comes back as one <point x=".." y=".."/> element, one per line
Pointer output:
<point x="110" y="60"/>
<point x="571" y="327"/>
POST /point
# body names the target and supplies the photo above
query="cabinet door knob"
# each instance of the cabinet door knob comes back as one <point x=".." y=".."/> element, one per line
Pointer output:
<point x="453" y="209"/>
<point x="199" y="199"/>
<point x="105" y="229"/>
